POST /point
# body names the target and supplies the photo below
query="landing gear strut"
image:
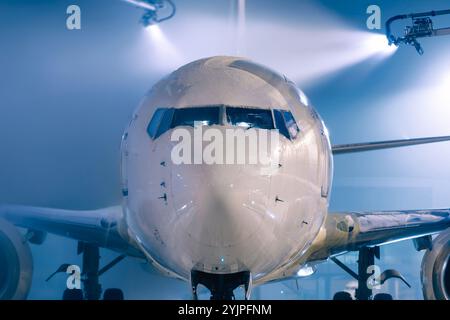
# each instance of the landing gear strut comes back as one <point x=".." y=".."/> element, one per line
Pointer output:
<point x="366" y="259"/>
<point x="91" y="260"/>
<point x="90" y="275"/>
<point x="221" y="286"/>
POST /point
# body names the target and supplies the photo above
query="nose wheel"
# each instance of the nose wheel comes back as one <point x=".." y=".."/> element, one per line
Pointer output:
<point x="221" y="286"/>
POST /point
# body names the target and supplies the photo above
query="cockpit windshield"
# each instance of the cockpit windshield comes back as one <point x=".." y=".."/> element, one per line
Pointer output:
<point x="206" y="116"/>
<point x="250" y="118"/>
<point x="165" y="119"/>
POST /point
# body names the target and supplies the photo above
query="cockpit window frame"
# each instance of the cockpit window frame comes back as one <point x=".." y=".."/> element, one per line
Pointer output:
<point x="163" y="120"/>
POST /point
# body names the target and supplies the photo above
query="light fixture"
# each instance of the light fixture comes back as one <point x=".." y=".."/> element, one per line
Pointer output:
<point x="378" y="44"/>
<point x="305" y="271"/>
<point x="152" y="10"/>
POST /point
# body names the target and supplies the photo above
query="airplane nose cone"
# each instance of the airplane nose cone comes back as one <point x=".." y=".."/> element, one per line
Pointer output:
<point x="219" y="206"/>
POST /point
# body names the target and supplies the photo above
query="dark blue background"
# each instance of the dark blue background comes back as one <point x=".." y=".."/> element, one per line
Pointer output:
<point x="66" y="96"/>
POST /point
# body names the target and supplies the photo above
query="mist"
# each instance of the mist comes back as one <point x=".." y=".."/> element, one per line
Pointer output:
<point x="66" y="97"/>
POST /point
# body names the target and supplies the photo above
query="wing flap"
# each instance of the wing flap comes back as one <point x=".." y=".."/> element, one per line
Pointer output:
<point x="349" y="231"/>
<point x="393" y="220"/>
<point x="95" y="226"/>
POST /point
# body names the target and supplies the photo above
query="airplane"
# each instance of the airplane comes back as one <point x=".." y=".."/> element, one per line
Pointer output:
<point x="228" y="225"/>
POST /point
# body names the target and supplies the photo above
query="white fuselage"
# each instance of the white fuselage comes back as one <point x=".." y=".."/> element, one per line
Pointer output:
<point x="224" y="218"/>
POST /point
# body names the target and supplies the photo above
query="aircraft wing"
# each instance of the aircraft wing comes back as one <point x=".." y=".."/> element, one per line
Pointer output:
<point x="349" y="231"/>
<point x="379" y="145"/>
<point x="376" y="228"/>
<point x="100" y="227"/>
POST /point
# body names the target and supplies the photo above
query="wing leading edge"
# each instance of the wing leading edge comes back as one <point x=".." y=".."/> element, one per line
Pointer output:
<point x="349" y="231"/>
<point x="379" y="145"/>
<point x="100" y="227"/>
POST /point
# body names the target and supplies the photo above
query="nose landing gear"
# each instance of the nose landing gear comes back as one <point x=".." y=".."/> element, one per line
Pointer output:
<point x="221" y="286"/>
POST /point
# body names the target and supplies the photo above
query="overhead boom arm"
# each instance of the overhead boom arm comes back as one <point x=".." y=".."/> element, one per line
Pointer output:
<point x="422" y="27"/>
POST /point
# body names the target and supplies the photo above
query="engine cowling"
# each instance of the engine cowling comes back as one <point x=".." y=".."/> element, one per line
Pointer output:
<point x="435" y="272"/>
<point x="16" y="263"/>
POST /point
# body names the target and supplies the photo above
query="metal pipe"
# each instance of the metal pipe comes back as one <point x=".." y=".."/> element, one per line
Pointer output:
<point x="174" y="10"/>
<point x="393" y="40"/>
<point x="141" y="4"/>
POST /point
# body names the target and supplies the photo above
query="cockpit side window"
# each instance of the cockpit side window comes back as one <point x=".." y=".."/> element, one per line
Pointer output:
<point x="250" y="118"/>
<point x="206" y="116"/>
<point x="286" y="124"/>
<point x="159" y="123"/>
<point x="281" y="125"/>
<point x="291" y="124"/>
<point x="152" y="128"/>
